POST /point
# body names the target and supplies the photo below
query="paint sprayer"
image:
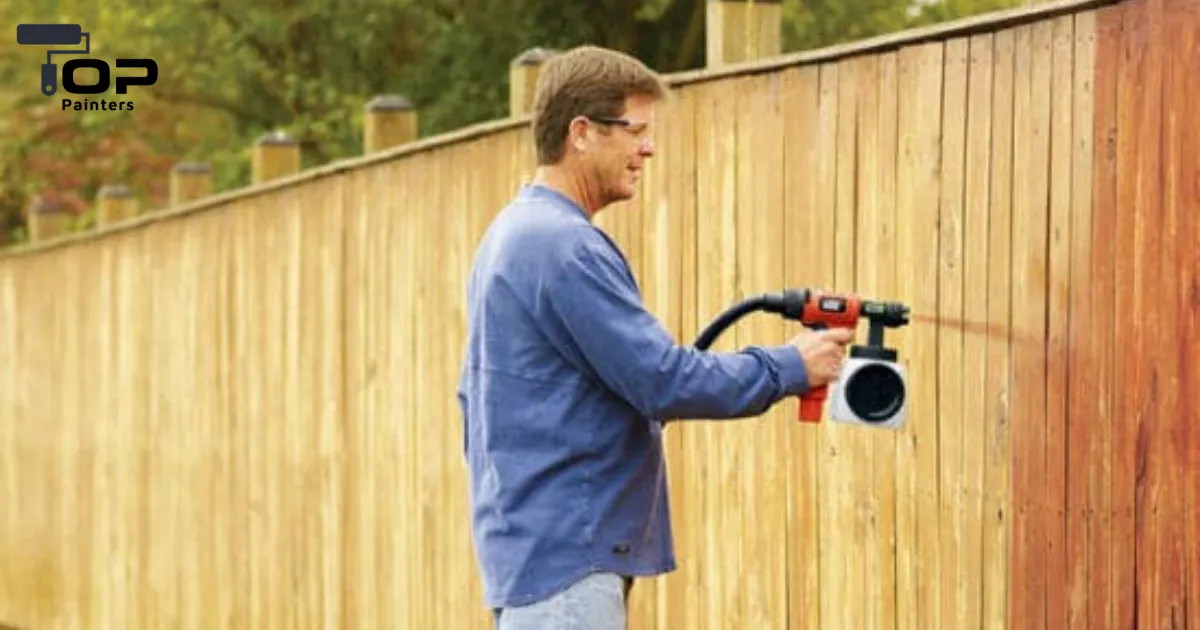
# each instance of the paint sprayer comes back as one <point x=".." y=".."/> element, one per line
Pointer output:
<point x="871" y="389"/>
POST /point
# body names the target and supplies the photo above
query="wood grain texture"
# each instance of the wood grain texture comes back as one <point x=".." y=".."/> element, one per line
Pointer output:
<point x="805" y="107"/>
<point x="1102" y="307"/>
<point x="972" y="568"/>
<point x="1181" y="162"/>
<point x="1082" y="406"/>
<point x="998" y="379"/>
<point x="243" y="414"/>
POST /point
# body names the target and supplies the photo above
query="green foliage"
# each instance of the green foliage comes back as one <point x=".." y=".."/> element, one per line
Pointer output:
<point x="809" y="24"/>
<point x="230" y="71"/>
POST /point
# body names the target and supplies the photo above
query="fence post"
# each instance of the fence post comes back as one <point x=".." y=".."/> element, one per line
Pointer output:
<point x="115" y="203"/>
<point x="390" y="121"/>
<point x="522" y="79"/>
<point x="742" y="30"/>
<point x="189" y="181"/>
<point x="276" y="154"/>
<point x="47" y="219"/>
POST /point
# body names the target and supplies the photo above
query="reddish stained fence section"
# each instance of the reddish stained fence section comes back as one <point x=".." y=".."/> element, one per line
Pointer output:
<point x="1105" y="417"/>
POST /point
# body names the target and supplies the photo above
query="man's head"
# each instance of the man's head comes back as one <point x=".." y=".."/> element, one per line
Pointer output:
<point x="593" y="120"/>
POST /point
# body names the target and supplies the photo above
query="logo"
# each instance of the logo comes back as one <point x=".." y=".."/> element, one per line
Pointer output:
<point x="73" y="35"/>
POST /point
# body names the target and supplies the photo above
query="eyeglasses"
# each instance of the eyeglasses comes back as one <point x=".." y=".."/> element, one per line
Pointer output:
<point x="639" y="130"/>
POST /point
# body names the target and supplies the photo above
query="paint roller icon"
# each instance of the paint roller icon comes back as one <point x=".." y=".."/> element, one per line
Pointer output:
<point x="53" y="35"/>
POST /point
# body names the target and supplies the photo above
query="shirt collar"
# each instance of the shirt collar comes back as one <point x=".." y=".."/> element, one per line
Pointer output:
<point x="540" y="191"/>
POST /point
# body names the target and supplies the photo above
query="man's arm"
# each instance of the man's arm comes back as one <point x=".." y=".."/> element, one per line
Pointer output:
<point x="627" y="348"/>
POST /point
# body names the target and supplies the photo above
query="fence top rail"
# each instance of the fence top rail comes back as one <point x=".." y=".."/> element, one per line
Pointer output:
<point x="984" y="23"/>
<point x="963" y="27"/>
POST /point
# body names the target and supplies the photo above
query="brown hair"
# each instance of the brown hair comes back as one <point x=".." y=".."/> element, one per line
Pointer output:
<point x="585" y="81"/>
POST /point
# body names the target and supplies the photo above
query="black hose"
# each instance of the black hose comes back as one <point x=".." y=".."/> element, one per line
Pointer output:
<point x="774" y="303"/>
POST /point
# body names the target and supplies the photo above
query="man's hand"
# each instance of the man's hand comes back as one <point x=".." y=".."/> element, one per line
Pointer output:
<point x="823" y="352"/>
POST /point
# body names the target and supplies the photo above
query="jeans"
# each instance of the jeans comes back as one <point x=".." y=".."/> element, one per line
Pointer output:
<point x="597" y="602"/>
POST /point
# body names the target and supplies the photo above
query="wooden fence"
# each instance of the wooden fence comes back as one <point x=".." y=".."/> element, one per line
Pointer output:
<point x="239" y="412"/>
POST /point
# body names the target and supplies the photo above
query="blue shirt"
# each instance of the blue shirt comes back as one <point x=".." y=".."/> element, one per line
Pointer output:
<point x="566" y="385"/>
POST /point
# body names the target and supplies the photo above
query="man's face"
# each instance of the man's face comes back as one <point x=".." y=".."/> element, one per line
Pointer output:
<point x="621" y="148"/>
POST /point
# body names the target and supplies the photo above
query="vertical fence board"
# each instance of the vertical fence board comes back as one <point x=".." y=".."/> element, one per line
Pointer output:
<point x="820" y="273"/>
<point x="362" y="304"/>
<point x="1080" y="354"/>
<point x="839" y="488"/>
<point x="1181" y="161"/>
<point x="1127" y="378"/>
<point x="1030" y="277"/>
<point x="950" y="366"/>
<point x="10" y="436"/>
<point x="875" y="230"/>
<point x="1102" y="306"/>
<point x="668" y="189"/>
<point x="919" y="180"/>
<point x="998" y="386"/>
<point x="1176" y="28"/>
<point x="251" y="408"/>
<point x="801" y="108"/>
<point x="1058" y="317"/>
<point x="406" y="557"/>
<point x="1156" y="518"/>
<point x="976" y="253"/>
<point x="684" y="213"/>
<point x="653" y="243"/>
<point x="882" y="281"/>
<point x="760" y="246"/>
<point x="13" y="450"/>
<point x="244" y="415"/>
<point x="716" y="285"/>
<point x="79" y="464"/>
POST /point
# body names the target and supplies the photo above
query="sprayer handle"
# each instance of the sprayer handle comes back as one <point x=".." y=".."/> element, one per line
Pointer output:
<point x="811" y="404"/>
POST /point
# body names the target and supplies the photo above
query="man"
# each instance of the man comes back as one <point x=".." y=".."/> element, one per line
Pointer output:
<point x="568" y="380"/>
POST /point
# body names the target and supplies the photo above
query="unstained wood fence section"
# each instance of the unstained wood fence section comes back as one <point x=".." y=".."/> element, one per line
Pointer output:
<point x="240" y="412"/>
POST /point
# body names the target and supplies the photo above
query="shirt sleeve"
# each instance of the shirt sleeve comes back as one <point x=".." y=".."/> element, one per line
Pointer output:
<point x="601" y="311"/>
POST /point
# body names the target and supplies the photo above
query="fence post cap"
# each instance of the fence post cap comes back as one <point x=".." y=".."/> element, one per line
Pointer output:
<point x="191" y="167"/>
<point x="115" y="191"/>
<point x="389" y="103"/>
<point x="535" y="56"/>
<point x="46" y="205"/>
<point x="277" y="137"/>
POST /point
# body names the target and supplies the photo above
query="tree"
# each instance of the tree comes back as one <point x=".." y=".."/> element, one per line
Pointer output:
<point x="230" y="71"/>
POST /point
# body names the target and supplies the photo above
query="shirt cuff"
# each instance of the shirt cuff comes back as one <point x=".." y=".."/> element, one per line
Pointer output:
<point x="793" y="375"/>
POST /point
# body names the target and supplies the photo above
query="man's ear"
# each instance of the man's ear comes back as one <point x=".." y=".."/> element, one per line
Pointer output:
<point x="577" y="133"/>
